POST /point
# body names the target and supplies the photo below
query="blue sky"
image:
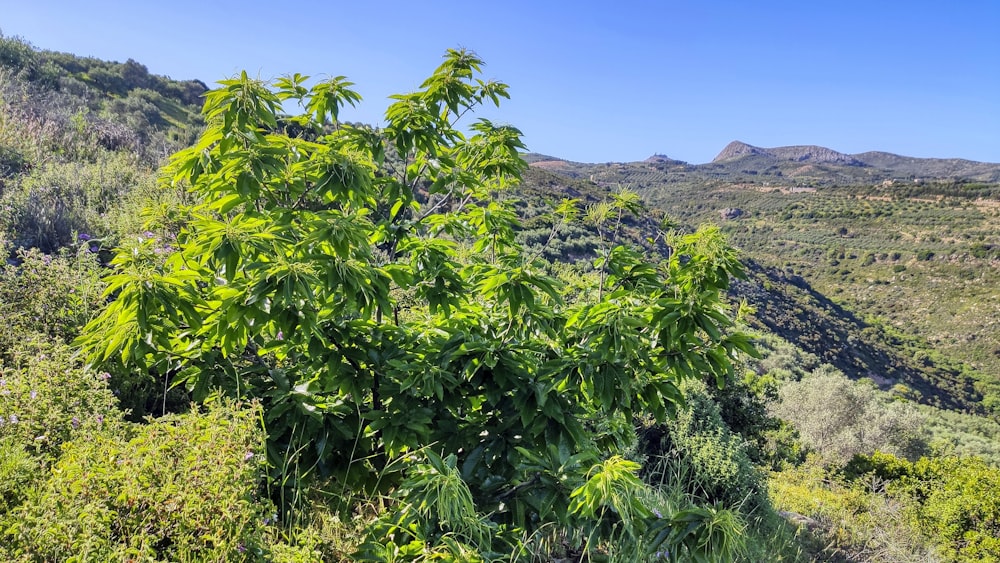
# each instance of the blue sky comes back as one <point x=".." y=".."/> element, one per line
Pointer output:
<point x="601" y="81"/>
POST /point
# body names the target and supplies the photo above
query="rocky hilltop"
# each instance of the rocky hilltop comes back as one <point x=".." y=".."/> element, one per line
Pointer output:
<point x="797" y="153"/>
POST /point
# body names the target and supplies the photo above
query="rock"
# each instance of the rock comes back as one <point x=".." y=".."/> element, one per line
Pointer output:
<point x="731" y="213"/>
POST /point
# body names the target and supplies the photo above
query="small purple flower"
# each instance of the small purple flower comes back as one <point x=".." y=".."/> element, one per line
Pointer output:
<point x="241" y="548"/>
<point x="83" y="237"/>
<point x="93" y="249"/>
<point x="33" y="394"/>
<point x="657" y="513"/>
<point x="104" y="376"/>
<point x="75" y="422"/>
<point x="248" y="456"/>
<point x="148" y="234"/>
<point x="13" y="419"/>
<point x="281" y="335"/>
<point x="100" y="419"/>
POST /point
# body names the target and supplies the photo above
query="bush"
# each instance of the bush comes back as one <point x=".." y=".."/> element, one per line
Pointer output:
<point x="840" y="418"/>
<point x="181" y="488"/>
<point x="17" y="472"/>
<point x="58" y="200"/>
<point x="956" y="503"/>
<point x="844" y="521"/>
<point x="699" y="446"/>
<point x="47" y="398"/>
<point x="52" y="296"/>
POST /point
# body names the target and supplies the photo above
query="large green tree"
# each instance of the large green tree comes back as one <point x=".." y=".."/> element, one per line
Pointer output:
<point x="365" y="285"/>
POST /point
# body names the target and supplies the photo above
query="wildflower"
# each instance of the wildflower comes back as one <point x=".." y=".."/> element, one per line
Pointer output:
<point x="33" y="394"/>
<point x="104" y="376"/>
<point x="75" y="422"/>
<point x="248" y="456"/>
<point x="657" y="513"/>
<point x="100" y="419"/>
<point x="241" y="548"/>
<point x="281" y="335"/>
<point x="83" y="237"/>
<point x="93" y="249"/>
<point x="13" y="419"/>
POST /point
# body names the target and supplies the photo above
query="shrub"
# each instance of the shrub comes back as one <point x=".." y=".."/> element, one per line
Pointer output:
<point x="956" y="503"/>
<point x="181" y="488"/>
<point x="840" y="418"/>
<point x="17" y="472"/>
<point x="47" y="398"/>
<point x="58" y="200"/>
<point x="698" y="445"/>
<point x="843" y="521"/>
<point x="53" y="296"/>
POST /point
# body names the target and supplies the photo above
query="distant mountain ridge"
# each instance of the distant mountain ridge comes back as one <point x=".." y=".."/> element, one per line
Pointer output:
<point x="798" y="153"/>
<point x="809" y="164"/>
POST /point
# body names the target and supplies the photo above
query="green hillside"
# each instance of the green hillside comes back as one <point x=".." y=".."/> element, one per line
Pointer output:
<point x="229" y="333"/>
<point x="914" y="267"/>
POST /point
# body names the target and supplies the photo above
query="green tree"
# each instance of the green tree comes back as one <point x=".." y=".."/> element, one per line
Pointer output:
<point x="841" y="418"/>
<point x="365" y="285"/>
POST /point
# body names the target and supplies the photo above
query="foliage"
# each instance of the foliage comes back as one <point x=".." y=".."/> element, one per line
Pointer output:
<point x="366" y="286"/>
<point x="47" y="398"/>
<point x="698" y="445"/>
<point x="18" y="470"/>
<point x="952" y="501"/>
<point x="181" y="488"/>
<point x="840" y="418"/>
<point x="47" y="296"/>
<point x="847" y="521"/>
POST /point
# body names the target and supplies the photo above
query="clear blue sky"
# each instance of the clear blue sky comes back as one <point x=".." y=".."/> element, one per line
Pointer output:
<point x="601" y="81"/>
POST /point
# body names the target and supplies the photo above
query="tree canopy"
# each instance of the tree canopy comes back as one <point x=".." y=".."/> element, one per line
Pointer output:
<point x="365" y="285"/>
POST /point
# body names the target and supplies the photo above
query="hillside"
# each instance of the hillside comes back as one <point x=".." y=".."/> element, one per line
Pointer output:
<point x="295" y="342"/>
<point x="80" y="140"/>
<point x="897" y="280"/>
<point x="792" y="166"/>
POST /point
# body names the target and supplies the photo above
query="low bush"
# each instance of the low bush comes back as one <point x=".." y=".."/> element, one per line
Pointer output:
<point x="847" y="521"/>
<point x="698" y="445"/>
<point x="952" y="501"/>
<point x="181" y="488"/>
<point x="50" y="296"/>
<point x="47" y="398"/>
<point x="17" y="471"/>
<point x="839" y="418"/>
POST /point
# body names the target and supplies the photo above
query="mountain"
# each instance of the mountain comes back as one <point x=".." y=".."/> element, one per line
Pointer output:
<point x="799" y="153"/>
<point x="931" y="167"/>
<point x="882" y="164"/>
<point x="885" y="266"/>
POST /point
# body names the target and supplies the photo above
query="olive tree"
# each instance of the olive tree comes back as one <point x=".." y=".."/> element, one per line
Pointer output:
<point x="365" y="285"/>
